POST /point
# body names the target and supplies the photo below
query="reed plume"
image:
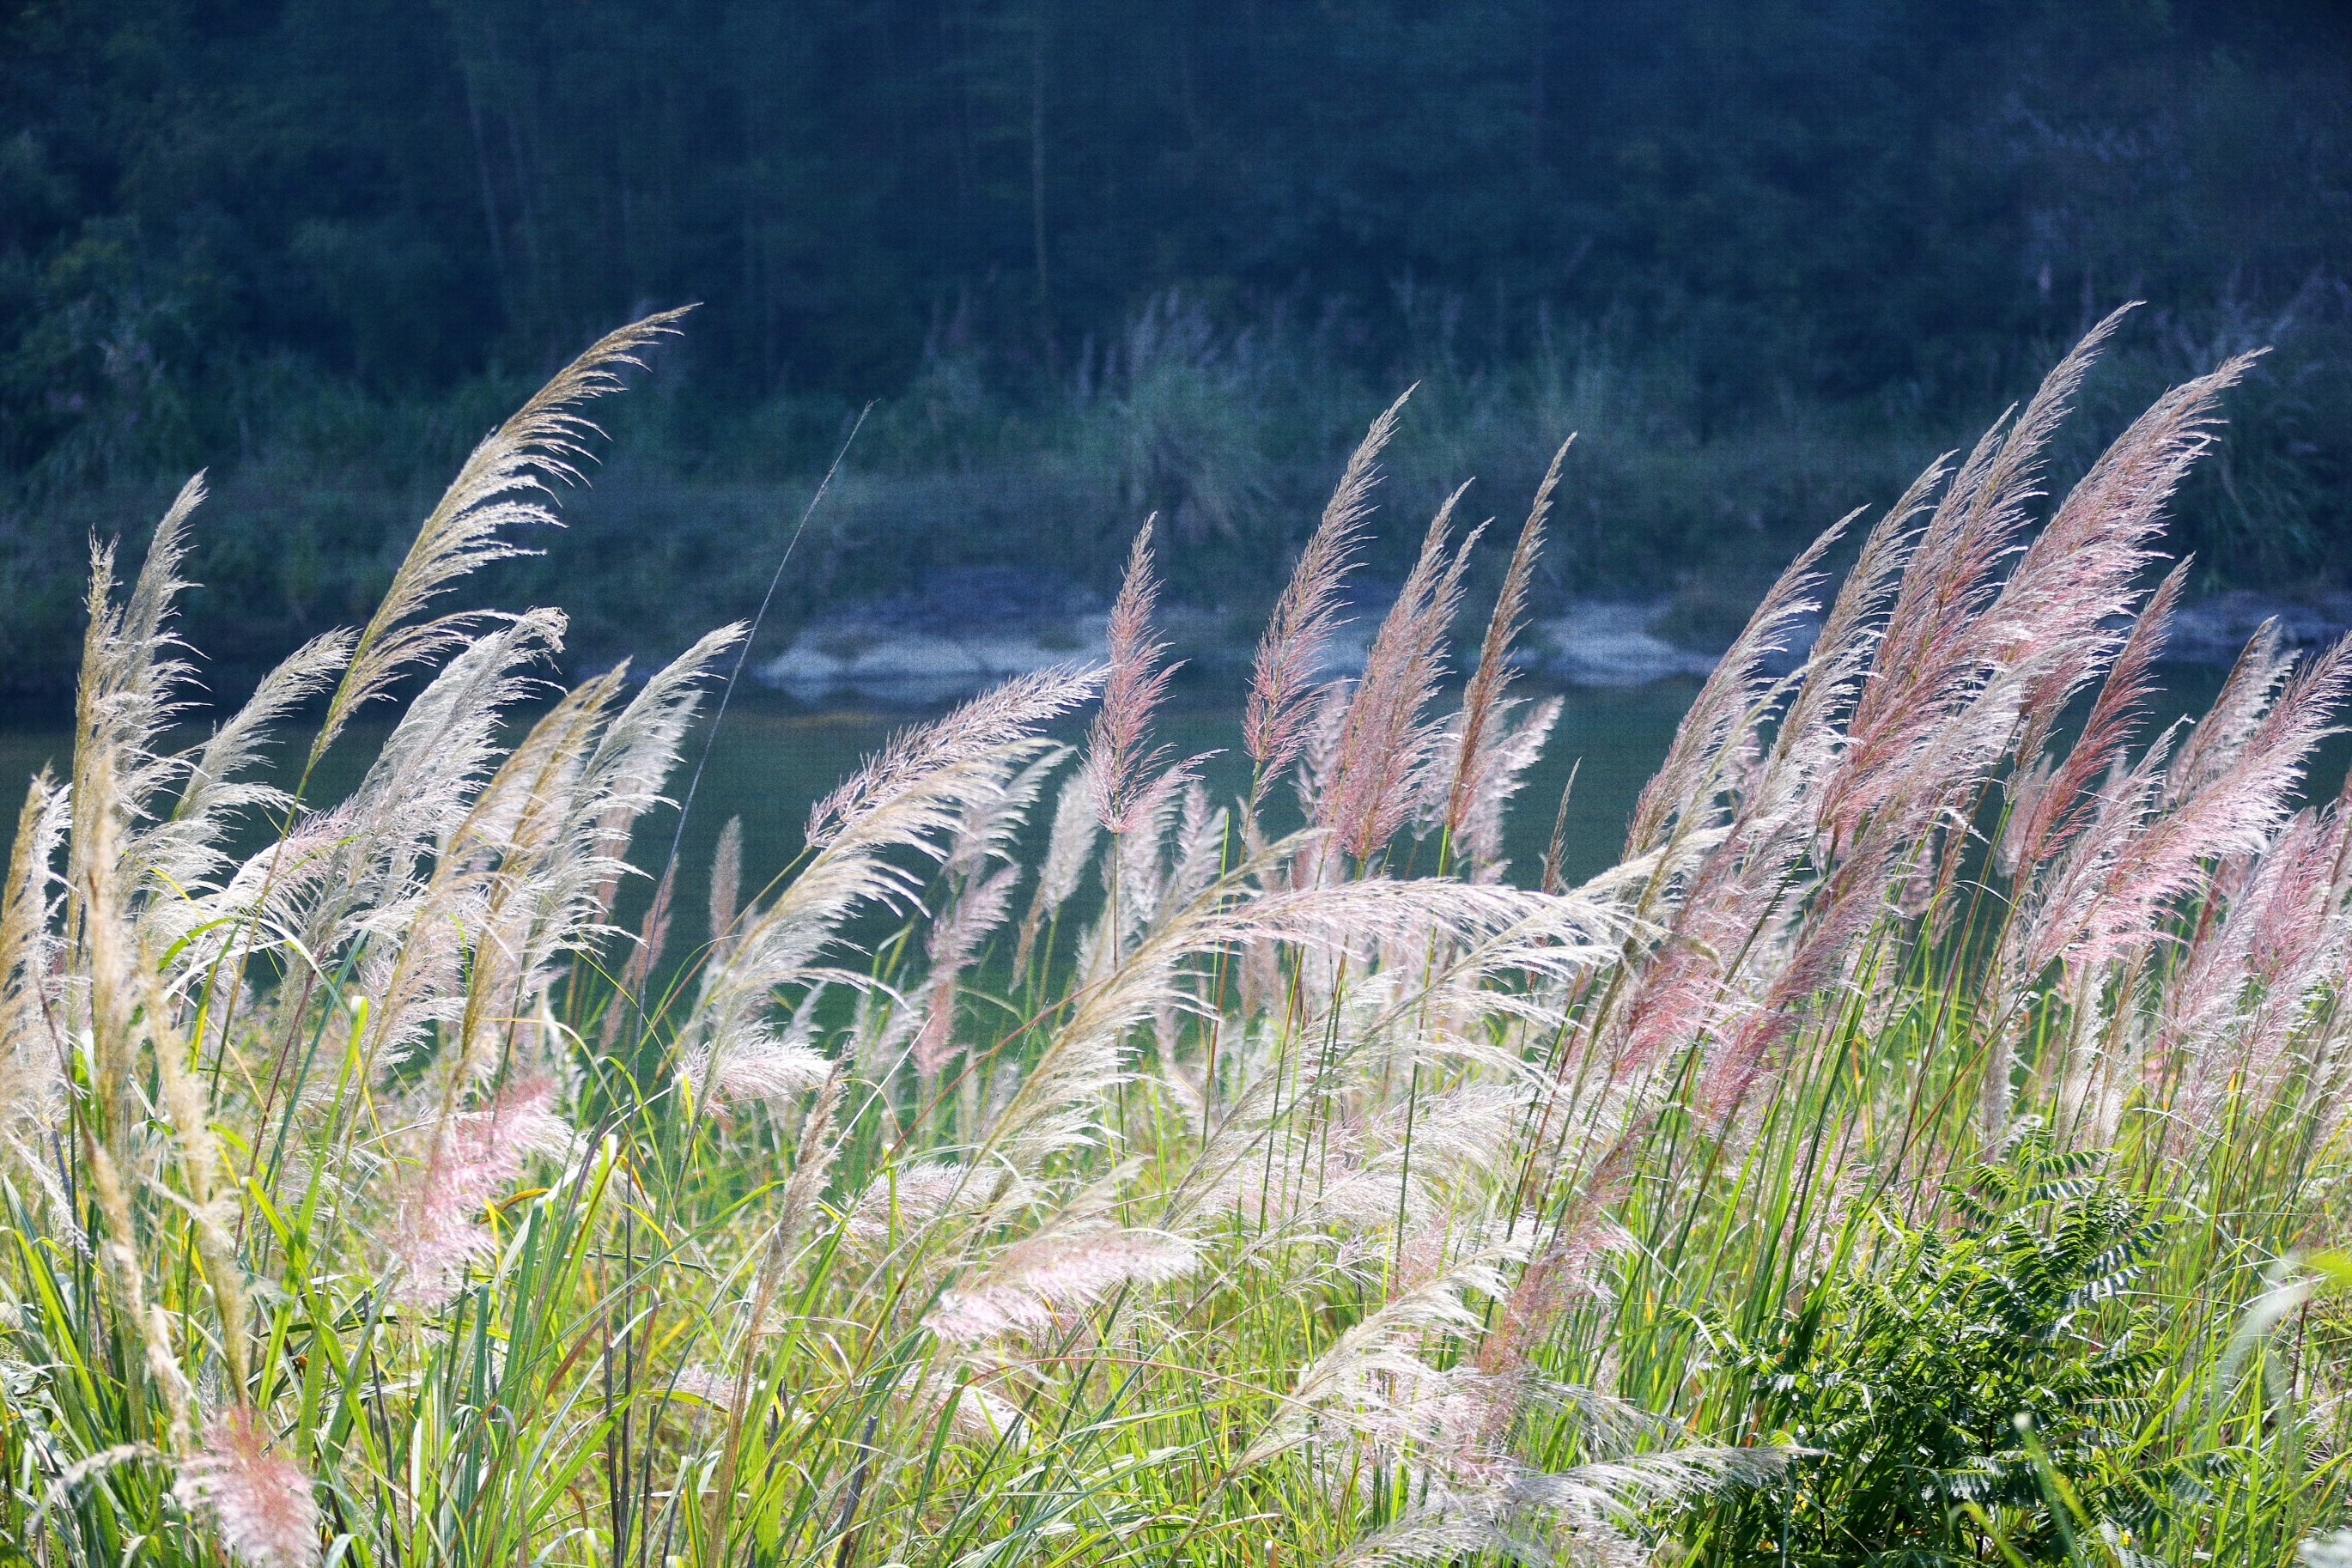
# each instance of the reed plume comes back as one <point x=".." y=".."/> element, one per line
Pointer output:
<point x="1116" y="757"/>
<point x="1299" y="1205"/>
<point x="260" y="1502"/>
<point x="1386" y="738"/>
<point x="1281" y="692"/>
<point x="540" y="446"/>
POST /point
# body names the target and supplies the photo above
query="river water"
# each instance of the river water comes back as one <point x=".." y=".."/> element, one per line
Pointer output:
<point x="772" y="757"/>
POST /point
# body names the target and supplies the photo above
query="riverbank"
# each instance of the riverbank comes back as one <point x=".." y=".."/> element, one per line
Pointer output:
<point x="972" y="629"/>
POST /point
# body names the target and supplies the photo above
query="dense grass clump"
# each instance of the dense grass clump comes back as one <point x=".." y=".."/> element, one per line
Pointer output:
<point x="1904" y="1154"/>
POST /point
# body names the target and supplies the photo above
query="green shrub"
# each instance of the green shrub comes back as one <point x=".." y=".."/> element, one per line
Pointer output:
<point x="1952" y="1382"/>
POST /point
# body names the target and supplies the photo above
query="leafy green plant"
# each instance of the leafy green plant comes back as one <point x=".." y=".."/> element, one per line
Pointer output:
<point x="1943" y="1386"/>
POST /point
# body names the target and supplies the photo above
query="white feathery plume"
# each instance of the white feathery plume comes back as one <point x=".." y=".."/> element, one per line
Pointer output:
<point x="726" y="887"/>
<point x="1518" y="1510"/>
<point x="124" y="700"/>
<point x="2249" y="980"/>
<point x="430" y="769"/>
<point x="2048" y="797"/>
<point x="770" y="1068"/>
<point x="1134" y="874"/>
<point x="1200" y="847"/>
<point x="523" y="863"/>
<point x="414" y="799"/>
<point x="1087" y="1055"/>
<point x="703" y="1383"/>
<point x="990" y="825"/>
<point x="1848" y="640"/>
<point x="32" y="1051"/>
<point x="553" y="825"/>
<point x="1067" y="848"/>
<point x="1044" y="1281"/>
<point x="1930" y="721"/>
<point x="499" y="485"/>
<point x="180" y="856"/>
<point x="1355" y="1386"/>
<point x="912" y="794"/>
<point x="1005" y="713"/>
<point x="904" y="1200"/>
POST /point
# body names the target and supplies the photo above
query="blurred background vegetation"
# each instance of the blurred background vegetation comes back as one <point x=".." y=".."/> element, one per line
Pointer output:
<point x="1096" y="258"/>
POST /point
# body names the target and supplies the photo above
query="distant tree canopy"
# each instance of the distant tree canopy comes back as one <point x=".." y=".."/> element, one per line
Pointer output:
<point x="1841" y="198"/>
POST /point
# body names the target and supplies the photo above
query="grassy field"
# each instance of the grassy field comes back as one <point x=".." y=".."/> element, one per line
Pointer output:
<point x="1923" y="1146"/>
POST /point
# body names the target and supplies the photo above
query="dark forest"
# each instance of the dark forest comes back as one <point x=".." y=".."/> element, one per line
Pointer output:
<point x="322" y="245"/>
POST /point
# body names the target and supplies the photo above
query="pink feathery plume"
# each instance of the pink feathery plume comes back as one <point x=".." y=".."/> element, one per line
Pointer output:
<point x="2053" y="620"/>
<point x="2206" y="987"/>
<point x="631" y="996"/>
<point x="1684" y="991"/>
<point x="1282" y="695"/>
<point x="1116" y="749"/>
<point x="1200" y="846"/>
<point x="1938" y="646"/>
<point x="1319" y="748"/>
<point x="1475" y="758"/>
<point x="1564" y="1268"/>
<point x="2024" y="787"/>
<point x="2291" y="940"/>
<point x="1385" y="739"/>
<point x="2067" y="891"/>
<point x="1977" y="523"/>
<point x="261" y="1503"/>
<point x="1133" y="867"/>
<point x="726" y="888"/>
<point x="1810" y="743"/>
<point x="955" y="939"/>
<point x="1726" y="708"/>
<point x="2147" y="859"/>
<point x="2298" y="941"/>
<point x="2055" y="809"/>
<point x="2246" y="695"/>
<point x="1510" y="753"/>
<point x="474" y="1155"/>
<point x="1843" y="913"/>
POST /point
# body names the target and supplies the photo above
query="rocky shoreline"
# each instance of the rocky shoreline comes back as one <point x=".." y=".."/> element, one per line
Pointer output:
<point x="969" y="629"/>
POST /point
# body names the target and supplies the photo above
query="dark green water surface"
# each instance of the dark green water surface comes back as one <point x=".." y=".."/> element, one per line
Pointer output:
<point x="771" y="758"/>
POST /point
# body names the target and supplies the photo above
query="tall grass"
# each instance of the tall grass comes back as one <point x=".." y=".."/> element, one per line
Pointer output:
<point x="1314" y="1195"/>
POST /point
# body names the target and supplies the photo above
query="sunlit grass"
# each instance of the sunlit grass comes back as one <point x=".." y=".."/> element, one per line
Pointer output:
<point x="1185" y="1178"/>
